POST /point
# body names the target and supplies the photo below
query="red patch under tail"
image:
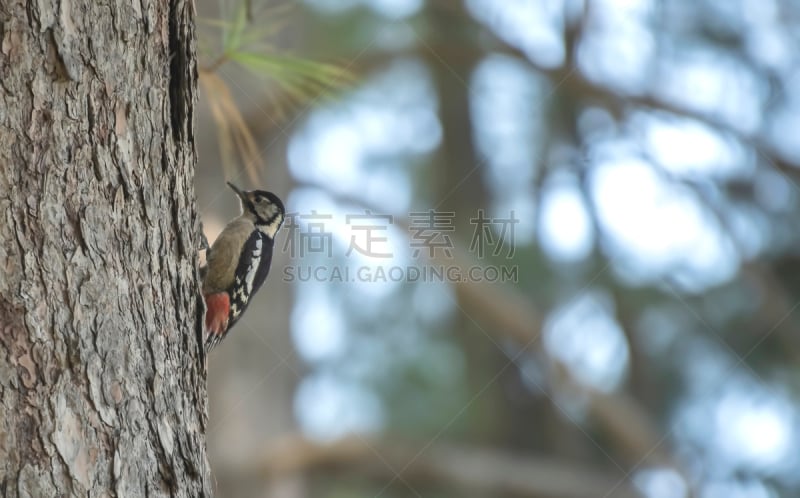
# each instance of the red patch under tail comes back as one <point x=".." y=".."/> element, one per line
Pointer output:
<point x="218" y="307"/>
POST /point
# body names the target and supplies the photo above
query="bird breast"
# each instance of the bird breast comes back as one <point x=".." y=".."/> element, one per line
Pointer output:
<point x="224" y="255"/>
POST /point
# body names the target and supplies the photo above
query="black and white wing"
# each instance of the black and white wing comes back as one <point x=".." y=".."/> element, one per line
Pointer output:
<point x="250" y="274"/>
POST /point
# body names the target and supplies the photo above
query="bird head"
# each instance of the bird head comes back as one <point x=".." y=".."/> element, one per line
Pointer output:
<point x="264" y="208"/>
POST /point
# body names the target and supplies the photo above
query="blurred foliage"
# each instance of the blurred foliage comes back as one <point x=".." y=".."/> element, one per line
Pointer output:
<point x="244" y="36"/>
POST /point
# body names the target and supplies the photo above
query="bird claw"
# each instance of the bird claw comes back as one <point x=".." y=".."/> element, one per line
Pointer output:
<point x="203" y="240"/>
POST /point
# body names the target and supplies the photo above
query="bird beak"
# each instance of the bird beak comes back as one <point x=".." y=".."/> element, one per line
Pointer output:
<point x="241" y="194"/>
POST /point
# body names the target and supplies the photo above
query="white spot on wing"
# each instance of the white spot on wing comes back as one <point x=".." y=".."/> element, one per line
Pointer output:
<point x="251" y="271"/>
<point x="243" y="287"/>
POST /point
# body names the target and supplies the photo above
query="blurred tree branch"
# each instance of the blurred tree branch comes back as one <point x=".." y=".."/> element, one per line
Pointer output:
<point x="490" y="471"/>
<point x="573" y="83"/>
<point x="577" y="85"/>
<point x="506" y="314"/>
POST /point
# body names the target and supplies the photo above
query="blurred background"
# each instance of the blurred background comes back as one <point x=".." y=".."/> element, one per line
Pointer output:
<point x="617" y="186"/>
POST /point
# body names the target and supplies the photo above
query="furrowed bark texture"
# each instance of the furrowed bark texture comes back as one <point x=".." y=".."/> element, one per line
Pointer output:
<point x="102" y="391"/>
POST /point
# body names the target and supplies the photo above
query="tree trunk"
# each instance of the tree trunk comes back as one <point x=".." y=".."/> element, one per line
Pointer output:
<point x="102" y="390"/>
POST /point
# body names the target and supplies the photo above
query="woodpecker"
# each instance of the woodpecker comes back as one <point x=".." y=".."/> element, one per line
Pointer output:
<point x="239" y="260"/>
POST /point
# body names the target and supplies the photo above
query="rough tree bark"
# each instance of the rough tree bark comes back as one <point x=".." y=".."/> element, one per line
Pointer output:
<point x="102" y="391"/>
